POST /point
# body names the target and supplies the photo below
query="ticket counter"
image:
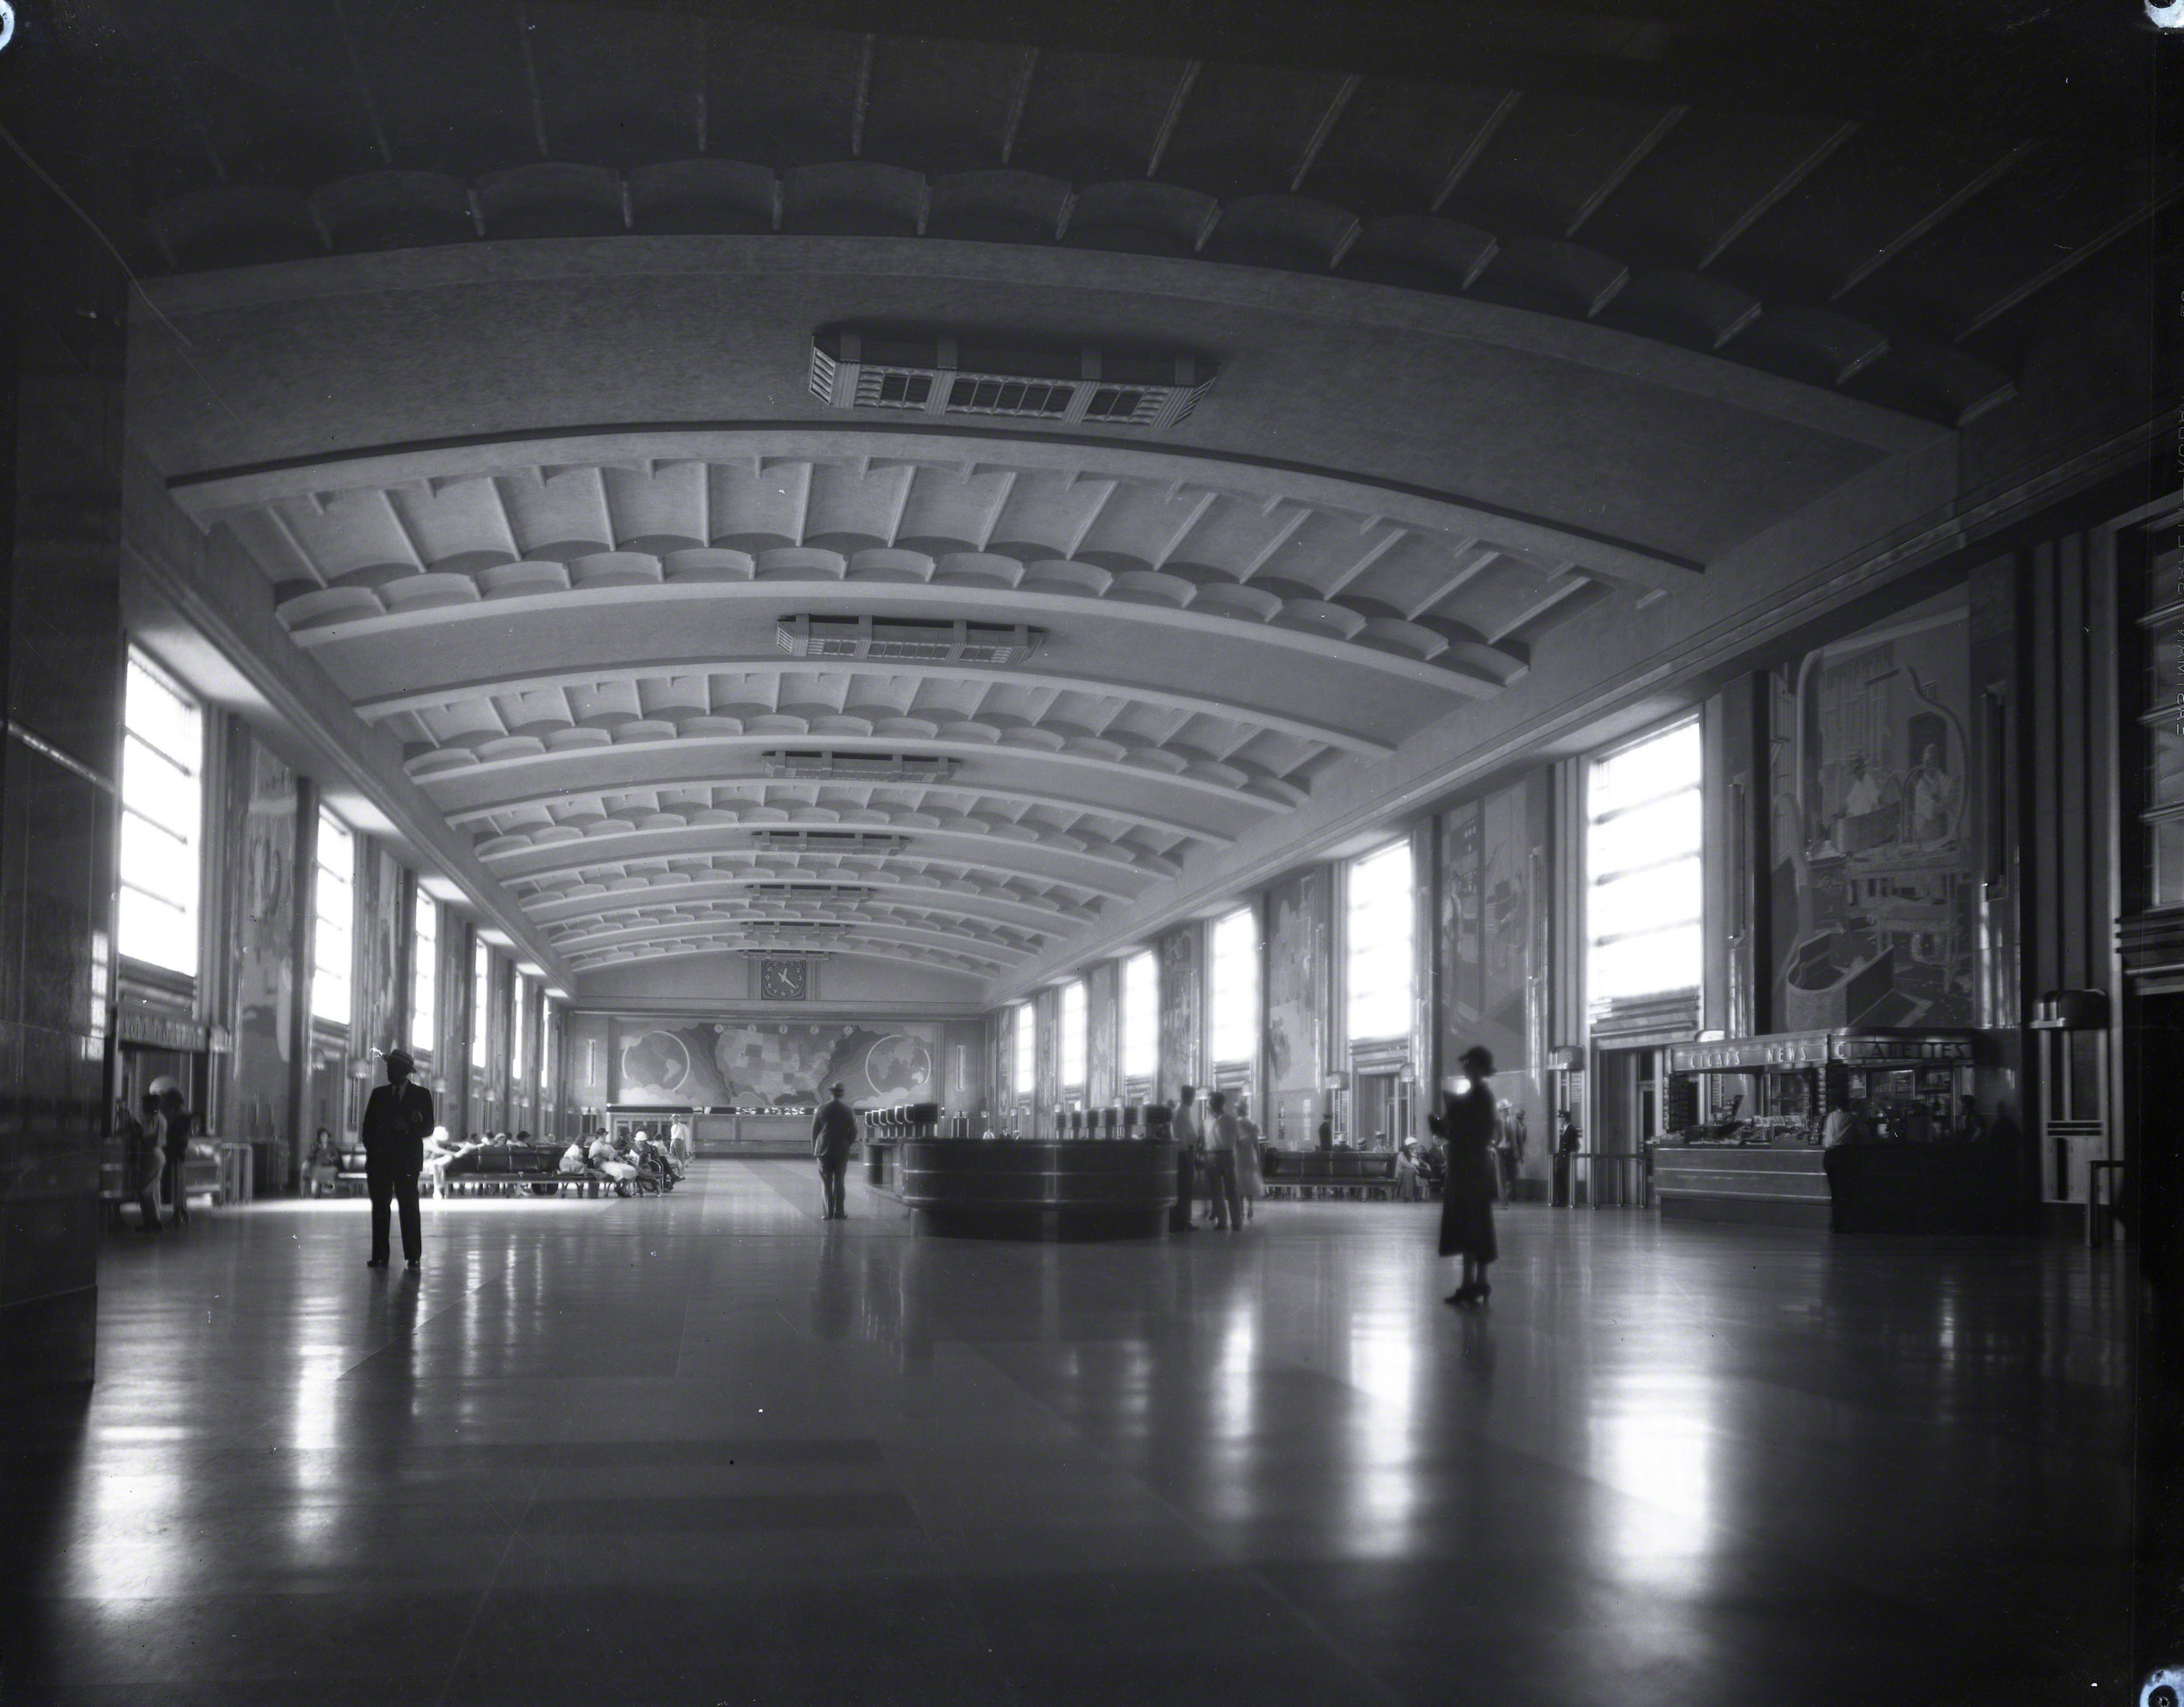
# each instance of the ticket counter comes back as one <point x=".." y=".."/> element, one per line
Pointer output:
<point x="1747" y="1116"/>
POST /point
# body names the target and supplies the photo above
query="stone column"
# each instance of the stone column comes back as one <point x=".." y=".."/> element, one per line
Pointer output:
<point x="62" y="312"/>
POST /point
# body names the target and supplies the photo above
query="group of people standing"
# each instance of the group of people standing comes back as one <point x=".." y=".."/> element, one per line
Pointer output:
<point x="157" y="1144"/>
<point x="1217" y="1158"/>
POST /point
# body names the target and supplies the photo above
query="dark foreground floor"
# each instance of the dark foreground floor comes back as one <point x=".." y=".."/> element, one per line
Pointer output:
<point x="705" y="1449"/>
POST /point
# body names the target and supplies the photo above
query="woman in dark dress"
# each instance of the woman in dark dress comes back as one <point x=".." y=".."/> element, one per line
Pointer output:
<point x="1465" y="1127"/>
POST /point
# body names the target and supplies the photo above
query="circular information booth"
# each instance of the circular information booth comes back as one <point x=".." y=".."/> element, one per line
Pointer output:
<point x="1016" y="1188"/>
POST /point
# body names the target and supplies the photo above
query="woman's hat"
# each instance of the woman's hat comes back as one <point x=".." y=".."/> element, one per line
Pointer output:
<point x="1478" y="1057"/>
<point x="163" y="1086"/>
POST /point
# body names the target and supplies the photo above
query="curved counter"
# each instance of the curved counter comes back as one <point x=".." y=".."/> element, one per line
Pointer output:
<point x="1012" y="1188"/>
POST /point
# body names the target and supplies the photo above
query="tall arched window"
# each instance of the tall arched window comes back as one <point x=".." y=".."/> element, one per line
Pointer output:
<point x="1024" y="1067"/>
<point x="1141" y="1016"/>
<point x="1644" y="863"/>
<point x="332" y="967"/>
<point x="1380" y="925"/>
<point x="1235" y="996"/>
<point x="424" y="973"/>
<point x="162" y="816"/>
<point x="1073" y="1041"/>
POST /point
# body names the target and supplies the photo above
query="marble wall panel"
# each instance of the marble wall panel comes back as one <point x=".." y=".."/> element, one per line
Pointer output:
<point x="61" y="315"/>
<point x="1300" y="984"/>
<point x="1182" y="958"/>
<point x="260" y="827"/>
<point x="1103" y="1039"/>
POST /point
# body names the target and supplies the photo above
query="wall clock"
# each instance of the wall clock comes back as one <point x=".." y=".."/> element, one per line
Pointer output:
<point x="784" y="980"/>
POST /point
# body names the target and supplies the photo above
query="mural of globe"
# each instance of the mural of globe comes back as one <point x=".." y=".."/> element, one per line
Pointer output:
<point x="899" y="1066"/>
<point x="656" y="1059"/>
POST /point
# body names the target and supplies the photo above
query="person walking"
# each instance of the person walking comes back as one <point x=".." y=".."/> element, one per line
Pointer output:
<point x="834" y="1130"/>
<point x="1188" y="1135"/>
<point x="1224" y="1135"/>
<point x="396" y="1120"/>
<point x="1467" y="1127"/>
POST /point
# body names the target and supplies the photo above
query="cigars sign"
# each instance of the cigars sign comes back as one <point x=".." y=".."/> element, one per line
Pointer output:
<point x="1812" y="1049"/>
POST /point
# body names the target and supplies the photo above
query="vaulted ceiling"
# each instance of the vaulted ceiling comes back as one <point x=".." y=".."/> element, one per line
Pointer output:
<point x="1491" y="354"/>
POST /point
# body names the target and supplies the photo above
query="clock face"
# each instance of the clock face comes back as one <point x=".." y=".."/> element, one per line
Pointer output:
<point x="784" y="980"/>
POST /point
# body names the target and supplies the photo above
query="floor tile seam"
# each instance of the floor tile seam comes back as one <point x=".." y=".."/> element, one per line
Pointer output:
<point x="1214" y="1547"/>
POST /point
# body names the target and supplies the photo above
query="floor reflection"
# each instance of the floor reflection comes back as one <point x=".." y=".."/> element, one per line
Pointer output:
<point x="1273" y="1463"/>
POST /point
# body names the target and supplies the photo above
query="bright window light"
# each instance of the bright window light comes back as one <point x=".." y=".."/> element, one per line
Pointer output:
<point x="1645" y="863"/>
<point x="1235" y="1005"/>
<point x="480" y="1000"/>
<point x="546" y="1055"/>
<point x="331" y="960"/>
<point x="1072" y="1035"/>
<point x="1141" y="1016"/>
<point x="424" y="973"/>
<point x="163" y="811"/>
<point x="1027" y="1050"/>
<point x="519" y="1032"/>
<point x="1381" y="920"/>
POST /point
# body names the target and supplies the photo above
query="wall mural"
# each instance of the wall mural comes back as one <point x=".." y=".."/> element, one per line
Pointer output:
<point x="1873" y="797"/>
<point x="1179" y="1005"/>
<point x="756" y="1064"/>
<point x="263" y="799"/>
<point x="1492" y="940"/>
<point x="1300" y="921"/>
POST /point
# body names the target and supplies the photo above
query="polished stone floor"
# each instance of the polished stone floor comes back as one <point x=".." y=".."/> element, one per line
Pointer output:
<point x="707" y="1450"/>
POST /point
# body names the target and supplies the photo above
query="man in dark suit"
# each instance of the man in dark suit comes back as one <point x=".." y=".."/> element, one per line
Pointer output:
<point x="396" y="1120"/>
<point x="834" y="1130"/>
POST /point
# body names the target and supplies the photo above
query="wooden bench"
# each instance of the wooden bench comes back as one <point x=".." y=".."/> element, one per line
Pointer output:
<point x="1329" y="1172"/>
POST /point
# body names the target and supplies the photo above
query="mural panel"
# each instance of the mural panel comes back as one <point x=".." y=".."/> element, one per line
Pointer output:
<point x="1300" y="923"/>
<point x="1875" y="798"/>
<point x="264" y="800"/>
<point x="1492" y="944"/>
<point x="745" y="1064"/>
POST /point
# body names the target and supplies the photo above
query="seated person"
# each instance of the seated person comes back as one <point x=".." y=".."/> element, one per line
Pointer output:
<point x="324" y="1165"/>
<point x="1409" y="1187"/>
<point x="607" y="1158"/>
<point x="573" y="1160"/>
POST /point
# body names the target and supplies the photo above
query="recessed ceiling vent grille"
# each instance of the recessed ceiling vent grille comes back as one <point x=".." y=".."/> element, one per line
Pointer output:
<point x="939" y="374"/>
<point x="829" y="889"/>
<point x="919" y="640"/>
<point x="832" y="841"/>
<point x="815" y="764"/>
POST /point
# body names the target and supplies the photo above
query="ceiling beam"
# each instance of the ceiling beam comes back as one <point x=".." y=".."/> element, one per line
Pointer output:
<point x="1173" y="116"/>
<point x="553" y="912"/>
<point x="1623" y="168"/>
<point x="974" y="792"/>
<point x="1468" y="156"/>
<point x="2137" y="215"/>
<point x="1887" y="251"/>
<point x="1798" y="170"/>
<point x="1344" y="91"/>
<point x="799" y="443"/>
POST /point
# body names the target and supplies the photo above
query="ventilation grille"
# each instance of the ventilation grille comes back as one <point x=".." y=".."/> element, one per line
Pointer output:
<point x="812" y="764"/>
<point x="943" y="375"/>
<point x="907" y="638"/>
<point x="833" y="890"/>
<point x="833" y="841"/>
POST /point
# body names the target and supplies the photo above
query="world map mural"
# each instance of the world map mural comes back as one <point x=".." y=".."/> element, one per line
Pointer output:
<point x="780" y="1066"/>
